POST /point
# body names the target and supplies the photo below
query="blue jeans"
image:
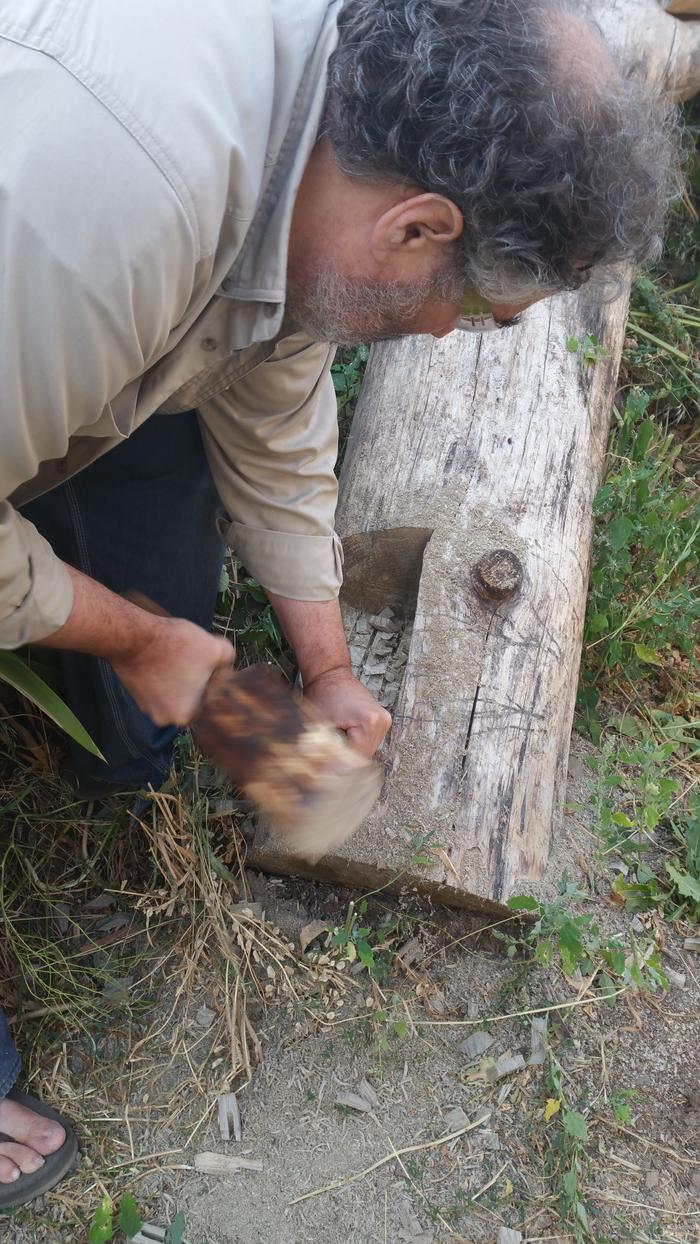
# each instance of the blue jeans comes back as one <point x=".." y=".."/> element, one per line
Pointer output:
<point x="142" y="517"/>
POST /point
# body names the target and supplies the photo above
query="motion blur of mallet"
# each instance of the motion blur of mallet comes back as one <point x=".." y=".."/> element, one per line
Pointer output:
<point x="311" y="786"/>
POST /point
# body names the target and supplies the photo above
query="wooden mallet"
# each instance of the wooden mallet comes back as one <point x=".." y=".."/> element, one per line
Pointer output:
<point x="311" y="786"/>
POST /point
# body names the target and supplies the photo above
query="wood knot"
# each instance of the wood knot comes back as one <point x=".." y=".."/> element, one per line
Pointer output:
<point x="498" y="575"/>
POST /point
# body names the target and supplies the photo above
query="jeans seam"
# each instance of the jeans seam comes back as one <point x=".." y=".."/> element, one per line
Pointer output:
<point x="83" y="554"/>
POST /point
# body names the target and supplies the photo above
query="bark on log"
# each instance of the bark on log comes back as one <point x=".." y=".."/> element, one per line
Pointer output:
<point x="466" y="508"/>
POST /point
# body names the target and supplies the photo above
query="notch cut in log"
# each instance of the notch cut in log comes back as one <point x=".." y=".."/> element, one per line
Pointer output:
<point x="491" y="449"/>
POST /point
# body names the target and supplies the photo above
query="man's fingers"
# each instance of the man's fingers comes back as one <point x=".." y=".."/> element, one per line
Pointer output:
<point x="368" y="735"/>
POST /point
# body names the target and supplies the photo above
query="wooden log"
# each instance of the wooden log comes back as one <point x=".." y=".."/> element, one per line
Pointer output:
<point x="466" y="515"/>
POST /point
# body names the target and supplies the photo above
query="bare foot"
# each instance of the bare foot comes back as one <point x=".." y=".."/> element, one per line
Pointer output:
<point x="33" y="1138"/>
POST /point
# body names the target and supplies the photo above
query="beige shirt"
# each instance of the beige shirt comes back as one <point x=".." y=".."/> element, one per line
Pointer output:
<point x="151" y="155"/>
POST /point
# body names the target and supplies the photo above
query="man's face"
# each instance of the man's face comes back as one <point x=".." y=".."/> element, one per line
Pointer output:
<point x="357" y="309"/>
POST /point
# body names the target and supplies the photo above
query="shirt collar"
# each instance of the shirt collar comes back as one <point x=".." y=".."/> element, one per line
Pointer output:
<point x="257" y="280"/>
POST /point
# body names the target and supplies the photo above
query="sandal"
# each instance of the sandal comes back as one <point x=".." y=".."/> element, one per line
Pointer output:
<point x="56" y="1165"/>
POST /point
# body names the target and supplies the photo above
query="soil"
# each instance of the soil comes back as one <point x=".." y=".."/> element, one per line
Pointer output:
<point x="398" y="1046"/>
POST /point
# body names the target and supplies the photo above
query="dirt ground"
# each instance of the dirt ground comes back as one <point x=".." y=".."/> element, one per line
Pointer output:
<point x="380" y="1167"/>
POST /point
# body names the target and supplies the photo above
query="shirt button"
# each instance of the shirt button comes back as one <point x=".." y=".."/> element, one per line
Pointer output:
<point x="209" y="343"/>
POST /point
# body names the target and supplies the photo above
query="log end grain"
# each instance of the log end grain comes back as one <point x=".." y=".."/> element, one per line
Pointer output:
<point x="498" y="576"/>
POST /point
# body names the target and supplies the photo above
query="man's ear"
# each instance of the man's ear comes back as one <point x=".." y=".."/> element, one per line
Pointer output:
<point x="415" y="225"/>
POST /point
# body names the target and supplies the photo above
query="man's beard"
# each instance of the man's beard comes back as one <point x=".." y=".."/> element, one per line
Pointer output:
<point x="352" y="311"/>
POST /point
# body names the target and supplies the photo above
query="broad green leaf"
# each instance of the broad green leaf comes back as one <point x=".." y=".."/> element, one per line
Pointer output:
<point x="544" y="953"/>
<point x="575" y="1125"/>
<point x="364" y="950"/>
<point x="176" y="1230"/>
<point x="619" y="532"/>
<point x="130" y="1221"/>
<point x="607" y="989"/>
<point x="401" y="1028"/>
<point x="598" y="623"/>
<point x="571" y="946"/>
<point x="647" y="655"/>
<point x="101" y="1227"/>
<point x="570" y="1182"/>
<point x="523" y="902"/>
<point x="17" y="673"/>
<point x="686" y="885"/>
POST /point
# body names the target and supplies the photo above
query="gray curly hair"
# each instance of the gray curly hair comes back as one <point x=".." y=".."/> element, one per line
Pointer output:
<point x="467" y="98"/>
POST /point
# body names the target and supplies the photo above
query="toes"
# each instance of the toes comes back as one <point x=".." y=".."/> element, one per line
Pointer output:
<point x="45" y="1136"/>
<point x="9" y="1173"/>
<point x="29" y="1128"/>
<point x="25" y="1160"/>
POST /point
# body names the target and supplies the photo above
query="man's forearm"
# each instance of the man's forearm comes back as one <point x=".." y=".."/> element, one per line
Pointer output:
<point x="101" y="623"/>
<point x="315" y="631"/>
<point x="164" y="663"/>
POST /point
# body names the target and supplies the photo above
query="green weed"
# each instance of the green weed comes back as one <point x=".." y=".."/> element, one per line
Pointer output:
<point x="102" y="1228"/>
<point x="643" y="606"/>
<point x="644" y="817"/>
<point x="578" y="944"/>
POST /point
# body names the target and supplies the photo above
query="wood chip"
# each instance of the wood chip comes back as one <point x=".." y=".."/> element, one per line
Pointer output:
<point x="247" y="910"/>
<point x="365" y="1090"/>
<point x="149" y="1234"/>
<point x="456" y="1120"/>
<point x="538" y="1041"/>
<point x="205" y="1017"/>
<point x="410" y="952"/>
<point x="353" y="1101"/>
<point x="222" y="1164"/>
<point x="477" y="1044"/>
<point x="310" y="932"/>
<point x="505" y="1066"/>
<point x="676" y="978"/>
<point x="229" y="1117"/>
<point x="692" y="944"/>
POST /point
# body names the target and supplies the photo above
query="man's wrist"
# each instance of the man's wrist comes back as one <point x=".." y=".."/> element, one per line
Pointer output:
<point x="315" y="631"/>
<point x="314" y="672"/>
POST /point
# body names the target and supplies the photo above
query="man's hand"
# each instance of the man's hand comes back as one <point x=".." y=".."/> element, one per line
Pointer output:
<point x="315" y="631"/>
<point x="348" y="705"/>
<point x="167" y="676"/>
<point x="164" y="663"/>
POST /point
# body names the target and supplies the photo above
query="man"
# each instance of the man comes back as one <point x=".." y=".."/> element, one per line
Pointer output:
<point x="195" y="199"/>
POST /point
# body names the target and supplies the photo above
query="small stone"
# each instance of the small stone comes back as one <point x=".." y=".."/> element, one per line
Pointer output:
<point x="652" y="1179"/>
<point x="357" y="654"/>
<point x="507" y="1235"/>
<point x="487" y="1141"/>
<point x="477" y="1044"/>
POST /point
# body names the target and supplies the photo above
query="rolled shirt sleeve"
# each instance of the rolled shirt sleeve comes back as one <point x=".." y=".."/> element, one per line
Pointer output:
<point x="272" y="444"/>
